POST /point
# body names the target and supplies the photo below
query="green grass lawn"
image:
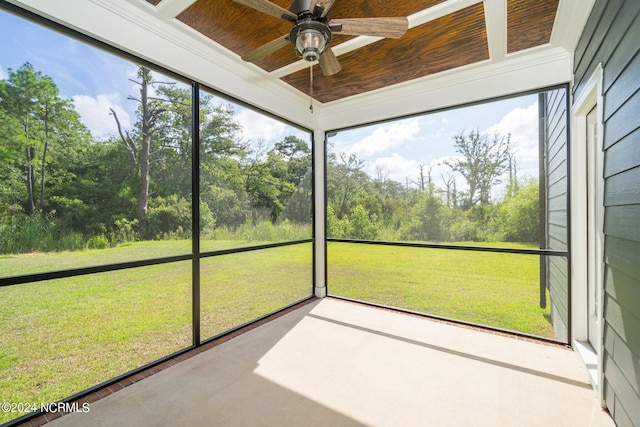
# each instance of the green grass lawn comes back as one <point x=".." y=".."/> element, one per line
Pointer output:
<point x="62" y="336"/>
<point x="59" y="337"/>
<point x="494" y="289"/>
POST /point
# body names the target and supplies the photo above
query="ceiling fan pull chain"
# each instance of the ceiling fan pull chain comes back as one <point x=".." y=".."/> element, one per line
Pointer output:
<point x="311" y="91"/>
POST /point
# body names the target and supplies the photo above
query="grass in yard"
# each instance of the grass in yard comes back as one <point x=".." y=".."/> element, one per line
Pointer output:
<point x="62" y="336"/>
<point x="237" y="288"/>
<point x="494" y="289"/>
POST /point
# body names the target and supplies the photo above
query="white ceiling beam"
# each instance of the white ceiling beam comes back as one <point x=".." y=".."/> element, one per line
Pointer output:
<point x="487" y="79"/>
<point x="495" y="15"/>
<point x="173" y="8"/>
<point x="342" y="48"/>
<point x="571" y="18"/>
<point x="438" y="11"/>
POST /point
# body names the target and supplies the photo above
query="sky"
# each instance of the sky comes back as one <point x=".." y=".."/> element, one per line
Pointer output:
<point x="98" y="81"/>
<point x="398" y="148"/>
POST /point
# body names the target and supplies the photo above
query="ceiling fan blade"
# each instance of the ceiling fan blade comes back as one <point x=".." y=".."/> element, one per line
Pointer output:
<point x="269" y="8"/>
<point x="266" y="49"/>
<point x="393" y="28"/>
<point x="329" y="63"/>
<point x="326" y="4"/>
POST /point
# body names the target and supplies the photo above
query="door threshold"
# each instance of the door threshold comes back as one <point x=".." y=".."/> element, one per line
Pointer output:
<point x="590" y="359"/>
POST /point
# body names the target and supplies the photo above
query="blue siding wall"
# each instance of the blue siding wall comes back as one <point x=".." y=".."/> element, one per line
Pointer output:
<point x="612" y="37"/>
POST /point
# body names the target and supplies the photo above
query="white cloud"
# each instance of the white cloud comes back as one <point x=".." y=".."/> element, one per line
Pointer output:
<point x="522" y="124"/>
<point x="385" y="137"/>
<point x="395" y="167"/>
<point x="3" y="74"/>
<point x="257" y="127"/>
<point x="96" y="114"/>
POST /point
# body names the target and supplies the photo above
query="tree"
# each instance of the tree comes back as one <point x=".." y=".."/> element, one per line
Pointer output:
<point x="296" y="155"/>
<point x="520" y="213"/>
<point x="347" y="179"/>
<point x="44" y="126"/>
<point x="139" y="144"/>
<point x="484" y="159"/>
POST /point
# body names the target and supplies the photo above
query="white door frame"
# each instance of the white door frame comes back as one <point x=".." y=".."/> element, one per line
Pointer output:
<point x="589" y="97"/>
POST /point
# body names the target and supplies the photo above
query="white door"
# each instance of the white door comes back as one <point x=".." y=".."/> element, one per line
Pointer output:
<point x="595" y="221"/>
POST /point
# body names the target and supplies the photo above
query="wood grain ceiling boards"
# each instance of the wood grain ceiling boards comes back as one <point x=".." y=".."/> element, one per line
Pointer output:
<point x="457" y="39"/>
<point x="242" y="29"/>
<point x="452" y="41"/>
<point x="529" y="23"/>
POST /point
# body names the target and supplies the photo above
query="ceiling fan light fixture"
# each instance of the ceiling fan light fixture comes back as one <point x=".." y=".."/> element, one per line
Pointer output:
<point x="311" y="39"/>
<point x="310" y="44"/>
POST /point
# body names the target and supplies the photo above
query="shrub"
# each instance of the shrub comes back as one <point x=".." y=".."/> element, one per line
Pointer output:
<point x="98" y="242"/>
<point x="520" y="214"/>
<point x="362" y="226"/>
<point x="168" y="218"/>
<point x="37" y="233"/>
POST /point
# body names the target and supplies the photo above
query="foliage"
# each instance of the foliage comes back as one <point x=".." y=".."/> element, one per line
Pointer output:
<point x="520" y="213"/>
<point x="98" y="193"/>
<point x="37" y="233"/>
<point x="86" y="191"/>
<point x="484" y="159"/>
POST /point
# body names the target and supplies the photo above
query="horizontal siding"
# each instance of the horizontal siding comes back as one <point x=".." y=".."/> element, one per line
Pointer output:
<point x="622" y="288"/>
<point x="624" y="255"/>
<point x="625" y="85"/>
<point x="609" y="397"/>
<point x="559" y="174"/>
<point x="556" y="183"/>
<point x="557" y="244"/>
<point x="557" y="194"/>
<point x="625" y="395"/>
<point x="559" y="233"/>
<point x="623" y="419"/>
<point x="626" y="360"/>
<point x="556" y="156"/>
<point x="558" y="219"/>
<point x="623" y="188"/>
<point x="588" y="54"/>
<point x="623" y="122"/>
<point x="622" y="222"/>
<point x="623" y="155"/>
<point x="624" y="48"/>
<point x="558" y="287"/>
<point x="626" y="326"/>
<point x="612" y="37"/>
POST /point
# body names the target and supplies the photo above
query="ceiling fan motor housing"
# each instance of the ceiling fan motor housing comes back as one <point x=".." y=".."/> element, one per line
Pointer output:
<point x="300" y="6"/>
<point x="310" y="37"/>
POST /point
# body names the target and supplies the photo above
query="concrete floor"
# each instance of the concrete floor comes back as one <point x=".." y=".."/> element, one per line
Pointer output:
<point x="334" y="363"/>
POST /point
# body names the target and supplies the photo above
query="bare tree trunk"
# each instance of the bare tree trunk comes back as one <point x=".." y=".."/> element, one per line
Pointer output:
<point x="42" y="175"/>
<point x="143" y="189"/>
<point x="30" y="180"/>
<point x="44" y="158"/>
<point x="145" y="150"/>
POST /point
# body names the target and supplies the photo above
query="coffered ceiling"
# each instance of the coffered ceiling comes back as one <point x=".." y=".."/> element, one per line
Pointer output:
<point x="432" y="45"/>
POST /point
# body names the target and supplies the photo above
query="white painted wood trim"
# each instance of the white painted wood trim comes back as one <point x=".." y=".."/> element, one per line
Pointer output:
<point x="590" y="96"/>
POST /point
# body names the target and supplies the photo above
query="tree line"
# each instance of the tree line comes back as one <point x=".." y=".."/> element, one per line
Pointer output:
<point x="64" y="189"/>
<point x="377" y="208"/>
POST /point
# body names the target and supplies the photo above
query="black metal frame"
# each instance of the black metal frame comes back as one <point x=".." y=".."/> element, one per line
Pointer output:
<point x="196" y="255"/>
<point x="542" y="252"/>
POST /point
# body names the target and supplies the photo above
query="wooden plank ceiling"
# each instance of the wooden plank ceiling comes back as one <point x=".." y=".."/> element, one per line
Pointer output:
<point x="454" y="40"/>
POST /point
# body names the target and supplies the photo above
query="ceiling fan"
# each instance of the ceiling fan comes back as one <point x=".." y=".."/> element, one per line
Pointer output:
<point x="312" y="30"/>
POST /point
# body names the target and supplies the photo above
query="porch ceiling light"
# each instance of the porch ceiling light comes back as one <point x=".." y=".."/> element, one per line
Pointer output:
<point x="311" y="39"/>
